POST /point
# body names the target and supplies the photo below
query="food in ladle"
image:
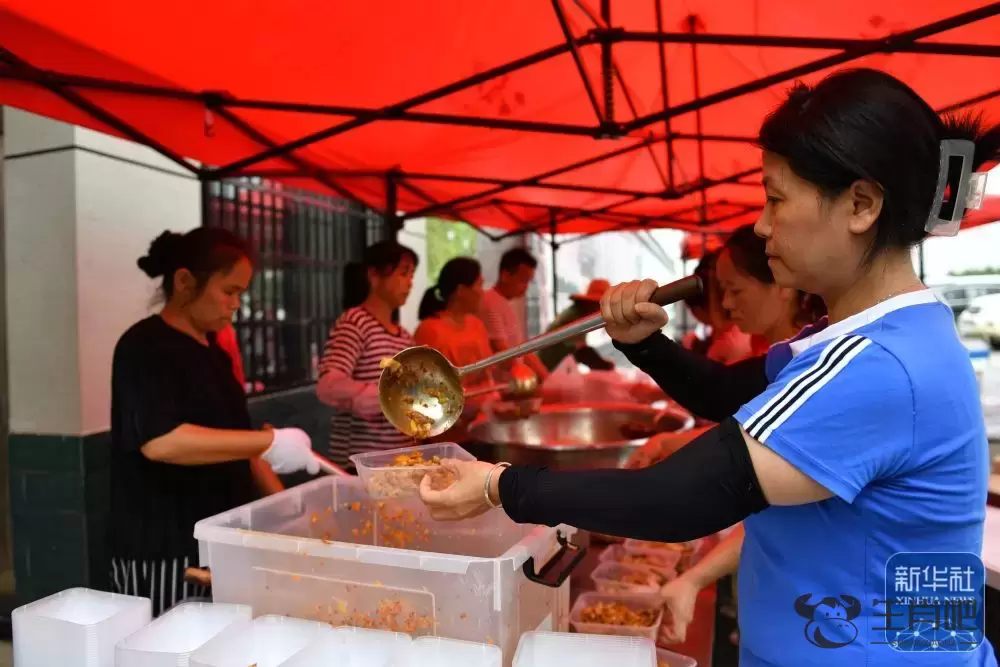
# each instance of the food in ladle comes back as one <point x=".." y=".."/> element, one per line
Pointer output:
<point x="617" y="613"/>
<point x="390" y="363"/>
<point x="420" y="424"/>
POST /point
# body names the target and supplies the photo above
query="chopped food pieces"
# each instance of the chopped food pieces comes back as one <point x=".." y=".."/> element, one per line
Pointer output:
<point x="617" y="613"/>
<point x="390" y="615"/>
<point x="402" y="477"/>
<point x="413" y="459"/>
<point x="391" y="364"/>
<point x="420" y="425"/>
<point x="639" y="578"/>
<point x="642" y="559"/>
<point x="666" y="546"/>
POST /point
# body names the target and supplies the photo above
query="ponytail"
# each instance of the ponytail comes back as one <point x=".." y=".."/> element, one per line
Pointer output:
<point x="431" y="304"/>
<point x="457" y="272"/>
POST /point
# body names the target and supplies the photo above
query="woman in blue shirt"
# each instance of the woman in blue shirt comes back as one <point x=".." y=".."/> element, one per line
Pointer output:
<point x="868" y="440"/>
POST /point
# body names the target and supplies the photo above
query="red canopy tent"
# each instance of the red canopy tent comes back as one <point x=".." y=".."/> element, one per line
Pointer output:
<point x="576" y="116"/>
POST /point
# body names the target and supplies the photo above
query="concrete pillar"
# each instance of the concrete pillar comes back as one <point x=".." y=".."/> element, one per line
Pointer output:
<point x="79" y="208"/>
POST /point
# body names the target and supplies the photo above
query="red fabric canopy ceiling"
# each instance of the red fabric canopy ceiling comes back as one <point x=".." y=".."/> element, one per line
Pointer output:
<point x="479" y="110"/>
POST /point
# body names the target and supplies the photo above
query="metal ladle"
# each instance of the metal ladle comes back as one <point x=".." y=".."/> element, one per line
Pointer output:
<point x="421" y="392"/>
<point x="523" y="383"/>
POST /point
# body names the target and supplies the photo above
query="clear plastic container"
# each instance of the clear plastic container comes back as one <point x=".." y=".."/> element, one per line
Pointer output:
<point x="327" y="551"/>
<point x="170" y="640"/>
<point x="610" y="578"/>
<point x="76" y="628"/>
<point x="267" y="641"/>
<point x="665" y="658"/>
<point x="544" y="649"/>
<point x="351" y="647"/>
<point x="635" y="602"/>
<point x="662" y="563"/>
<point x="437" y="652"/>
<point x="671" y="555"/>
<point x="383" y="479"/>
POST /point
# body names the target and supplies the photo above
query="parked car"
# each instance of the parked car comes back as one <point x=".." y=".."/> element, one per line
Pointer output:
<point x="959" y="291"/>
<point x="981" y="319"/>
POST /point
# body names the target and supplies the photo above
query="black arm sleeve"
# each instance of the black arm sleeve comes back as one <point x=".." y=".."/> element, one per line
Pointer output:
<point x="705" y="487"/>
<point x="709" y="389"/>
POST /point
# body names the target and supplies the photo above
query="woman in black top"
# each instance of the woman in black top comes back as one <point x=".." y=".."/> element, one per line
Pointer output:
<point x="183" y="447"/>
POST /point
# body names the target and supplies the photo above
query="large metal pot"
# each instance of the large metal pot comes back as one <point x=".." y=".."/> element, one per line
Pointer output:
<point x="574" y="436"/>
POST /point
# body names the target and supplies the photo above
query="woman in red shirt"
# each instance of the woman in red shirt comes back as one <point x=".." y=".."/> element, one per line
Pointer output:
<point x="449" y="325"/>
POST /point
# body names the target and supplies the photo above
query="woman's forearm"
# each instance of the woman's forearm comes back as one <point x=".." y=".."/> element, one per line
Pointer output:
<point x="705" y="487"/>
<point x="264" y="477"/>
<point x="196" y="445"/>
<point x="338" y="389"/>
<point x="723" y="559"/>
<point x="709" y="389"/>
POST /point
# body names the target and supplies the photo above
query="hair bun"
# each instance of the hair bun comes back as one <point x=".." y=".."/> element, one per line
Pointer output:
<point x="163" y="254"/>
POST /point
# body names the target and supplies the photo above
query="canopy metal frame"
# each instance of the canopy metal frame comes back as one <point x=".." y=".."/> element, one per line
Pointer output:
<point x="607" y="124"/>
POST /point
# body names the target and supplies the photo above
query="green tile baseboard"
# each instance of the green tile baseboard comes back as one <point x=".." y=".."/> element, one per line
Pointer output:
<point x="59" y="501"/>
<point x="60" y="496"/>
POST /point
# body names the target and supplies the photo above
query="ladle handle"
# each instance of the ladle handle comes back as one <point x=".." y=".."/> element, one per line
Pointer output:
<point x="663" y="296"/>
<point x="331" y="468"/>
<point x="486" y="390"/>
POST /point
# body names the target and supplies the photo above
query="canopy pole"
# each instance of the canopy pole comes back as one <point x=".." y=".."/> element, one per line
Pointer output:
<point x="391" y="197"/>
<point x="607" y="65"/>
<point x="668" y="139"/>
<point x="553" y="222"/>
<point x="692" y="22"/>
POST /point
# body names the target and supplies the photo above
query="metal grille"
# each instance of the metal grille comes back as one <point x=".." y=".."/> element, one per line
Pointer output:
<point x="301" y="242"/>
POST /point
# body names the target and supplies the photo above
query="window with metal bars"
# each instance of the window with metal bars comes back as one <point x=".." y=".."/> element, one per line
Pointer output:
<point x="301" y="242"/>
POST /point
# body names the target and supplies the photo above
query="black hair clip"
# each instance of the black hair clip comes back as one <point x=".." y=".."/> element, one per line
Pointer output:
<point x="956" y="179"/>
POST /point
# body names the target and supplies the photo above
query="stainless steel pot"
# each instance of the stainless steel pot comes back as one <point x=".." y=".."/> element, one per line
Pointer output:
<point x="574" y="436"/>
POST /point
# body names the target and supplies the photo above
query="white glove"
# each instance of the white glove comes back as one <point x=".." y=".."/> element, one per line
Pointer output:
<point x="291" y="451"/>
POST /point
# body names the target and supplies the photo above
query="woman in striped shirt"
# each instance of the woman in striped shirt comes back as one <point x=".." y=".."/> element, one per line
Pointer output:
<point x="363" y="335"/>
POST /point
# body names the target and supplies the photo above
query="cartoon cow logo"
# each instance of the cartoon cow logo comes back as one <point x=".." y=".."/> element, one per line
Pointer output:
<point x="831" y="620"/>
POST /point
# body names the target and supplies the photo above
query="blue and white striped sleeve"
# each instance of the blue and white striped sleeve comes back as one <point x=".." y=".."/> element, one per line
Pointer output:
<point x="842" y="415"/>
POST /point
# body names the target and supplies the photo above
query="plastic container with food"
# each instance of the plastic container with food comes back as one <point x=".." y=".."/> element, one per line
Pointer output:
<point x="170" y="640"/>
<point x="665" y="658"/>
<point x="624" y="615"/>
<point x="671" y="554"/>
<point x="78" y="627"/>
<point x="396" y="473"/>
<point x="662" y="563"/>
<point x="633" y="579"/>
<point x="327" y="551"/>
<point x="543" y="649"/>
